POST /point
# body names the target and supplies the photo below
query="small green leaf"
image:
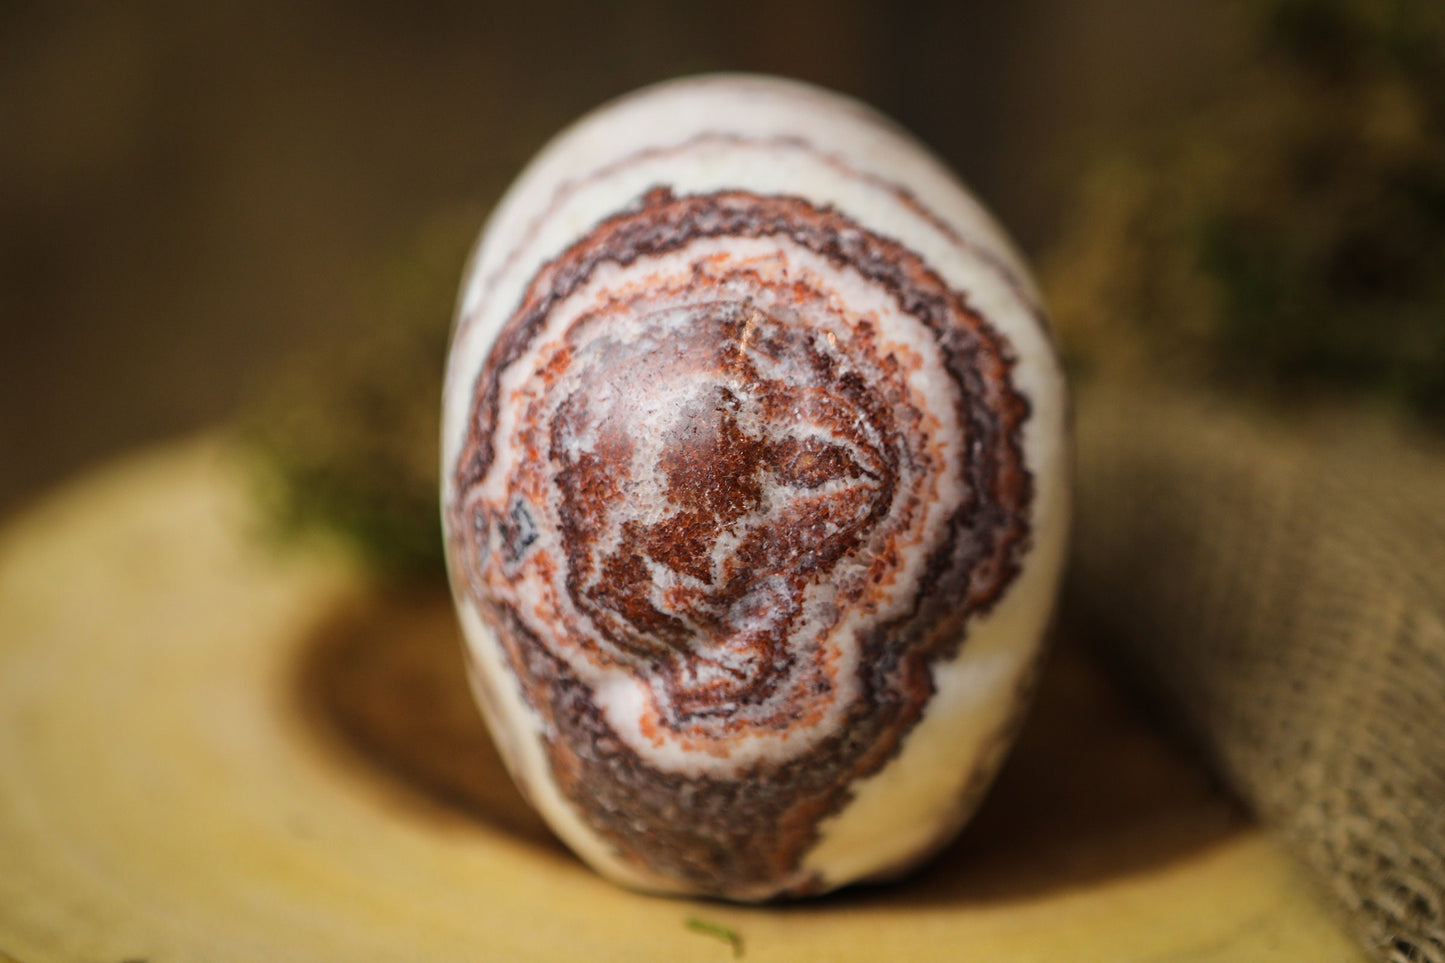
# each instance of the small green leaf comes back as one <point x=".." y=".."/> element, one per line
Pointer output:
<point x="719" y="931"/>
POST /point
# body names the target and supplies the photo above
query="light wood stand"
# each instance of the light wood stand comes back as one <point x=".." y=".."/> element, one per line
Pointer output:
<point x="214" y="751"/>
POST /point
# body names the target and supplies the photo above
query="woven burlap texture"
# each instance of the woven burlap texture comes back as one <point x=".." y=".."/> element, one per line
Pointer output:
<point x="1278" y="582"/>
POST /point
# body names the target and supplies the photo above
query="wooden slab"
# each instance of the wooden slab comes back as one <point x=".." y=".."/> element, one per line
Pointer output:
<point x="210" y="752"/>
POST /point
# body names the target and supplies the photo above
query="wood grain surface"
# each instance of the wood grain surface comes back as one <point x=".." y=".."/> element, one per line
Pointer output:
<point x="211" y="751"/>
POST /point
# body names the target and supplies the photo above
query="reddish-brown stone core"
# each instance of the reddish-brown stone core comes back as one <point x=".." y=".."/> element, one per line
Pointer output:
<point x="726" y="484"/>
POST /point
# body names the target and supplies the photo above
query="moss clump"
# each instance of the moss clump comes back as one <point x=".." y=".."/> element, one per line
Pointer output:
<point x="1290" y="236"/>
<point x="347" y="442"/>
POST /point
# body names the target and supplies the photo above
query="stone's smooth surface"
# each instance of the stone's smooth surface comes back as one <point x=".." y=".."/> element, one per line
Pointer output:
<point x="755" y="489"/>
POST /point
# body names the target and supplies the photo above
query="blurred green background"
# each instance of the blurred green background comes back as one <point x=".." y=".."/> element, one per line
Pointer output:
<point x="190" y="194"/>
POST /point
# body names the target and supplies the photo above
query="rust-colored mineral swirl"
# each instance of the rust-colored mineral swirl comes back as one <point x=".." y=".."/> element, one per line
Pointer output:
<point x="737" y="472"/>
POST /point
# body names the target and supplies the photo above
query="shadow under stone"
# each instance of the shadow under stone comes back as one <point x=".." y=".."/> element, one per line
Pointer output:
<point x="383" y="679"/>
<point x="1092" y="789"/>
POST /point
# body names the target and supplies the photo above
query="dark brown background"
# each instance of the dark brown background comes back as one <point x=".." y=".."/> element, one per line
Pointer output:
<point x="191" y="192"/>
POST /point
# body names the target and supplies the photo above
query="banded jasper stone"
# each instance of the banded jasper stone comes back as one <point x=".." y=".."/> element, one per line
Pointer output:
<point x="755" y="489"/>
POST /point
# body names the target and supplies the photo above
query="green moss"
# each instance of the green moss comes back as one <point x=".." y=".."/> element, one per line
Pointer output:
<point x="1291" y="237"/>
<point x="725" y="933"/>
<point x="347" y="442"/>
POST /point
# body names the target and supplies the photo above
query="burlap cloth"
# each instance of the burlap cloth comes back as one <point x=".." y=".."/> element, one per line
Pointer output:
<point x="1277" y="582"/>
